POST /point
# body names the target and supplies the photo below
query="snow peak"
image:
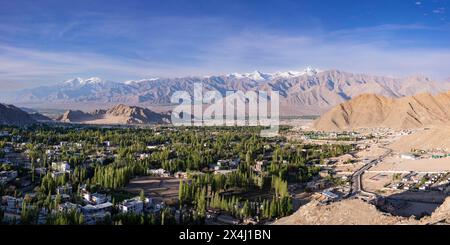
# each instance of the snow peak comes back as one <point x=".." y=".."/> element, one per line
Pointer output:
<point x="196" y="235"/>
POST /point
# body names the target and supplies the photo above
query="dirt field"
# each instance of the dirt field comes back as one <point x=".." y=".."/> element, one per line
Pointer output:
<point x="372" y="152"/>
<point x="347" y="168"/>
<point x="376" y="181"/>
<point x="297" y="123"/>
<point x="164" y="189"/>
<point x="420" y="165"/>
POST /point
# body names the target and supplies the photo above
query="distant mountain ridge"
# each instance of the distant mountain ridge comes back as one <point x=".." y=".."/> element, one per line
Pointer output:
<point x="302" y="92"/>
<point x="375" y="111"/>
<point x="119" y="114"/>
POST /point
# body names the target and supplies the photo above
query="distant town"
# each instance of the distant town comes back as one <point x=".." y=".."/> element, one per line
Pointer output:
<point x="80" y="174"/>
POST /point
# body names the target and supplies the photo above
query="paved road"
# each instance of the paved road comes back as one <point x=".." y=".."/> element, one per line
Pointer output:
<point x="356" y="181"/>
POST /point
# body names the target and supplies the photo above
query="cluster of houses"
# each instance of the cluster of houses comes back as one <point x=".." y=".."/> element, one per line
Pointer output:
<point x="95" y="207"/>
<point x="414" y="181"/>
<point x="11" y="207"/>
<point x="225" y="164"/>
<point x="159" y="172"/>
<point x="4" y="134"/>
<point x="7" y="176"/>
<point x="220" y="167"/>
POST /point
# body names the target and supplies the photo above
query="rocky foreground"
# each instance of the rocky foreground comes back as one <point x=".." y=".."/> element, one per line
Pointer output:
<point x="358" y="212"/>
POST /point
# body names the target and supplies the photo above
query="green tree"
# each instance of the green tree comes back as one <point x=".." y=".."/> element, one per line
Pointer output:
<point x="142" y="196"/>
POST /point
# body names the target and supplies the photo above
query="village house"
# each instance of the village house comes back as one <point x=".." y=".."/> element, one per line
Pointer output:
<point x="68" y="206"/>
<point x="95" y="198"/>
<point x="4" y="134"/>
<point x="225" y="171"/>
<point x="134" y="205"/>
<point x="181" y="175"/>
<point x="227" y="219"/>
<point x="260" y="165"/>
<point x="155" y="207"/>
<point x="143" y="156"/>
<point x="96" y="213"/>
<point x="12" y="204"/>
<point x="60" y="166"/>
<point x="408" y="156"/>
<point x="65" y="189"/>
<point x="7" y="176"/>
<point x="98" y="208"/>
<point x="57" y="174"/>
<point x="40" y="171"/>
<point x="159" y="172"/>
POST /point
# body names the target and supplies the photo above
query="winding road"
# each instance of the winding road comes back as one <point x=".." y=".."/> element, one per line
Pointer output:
<point x="356" y="180"/>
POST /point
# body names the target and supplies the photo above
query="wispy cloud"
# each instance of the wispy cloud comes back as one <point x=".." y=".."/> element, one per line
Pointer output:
<point x="261" y="51"/>
<point x="21" y="67"/>
<point x="121" y="48"/>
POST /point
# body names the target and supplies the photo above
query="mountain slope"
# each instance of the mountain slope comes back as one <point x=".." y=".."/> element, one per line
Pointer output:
<point x="119" y="114"/>
<point x="39" y="117"/>
<point x="11" y="115"/>
<point x="75" y="116"/>
<point x="374" y="111"/>
<point x="303" y="92"/>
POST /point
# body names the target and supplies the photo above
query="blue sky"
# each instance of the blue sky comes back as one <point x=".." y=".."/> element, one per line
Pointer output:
<point x="44" y="42"/>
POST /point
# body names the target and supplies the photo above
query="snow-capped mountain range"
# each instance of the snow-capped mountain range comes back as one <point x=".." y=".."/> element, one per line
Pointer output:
<point x="260" y="76"/>
<point x="306" y="92"/>
<point x="255" y="76"/>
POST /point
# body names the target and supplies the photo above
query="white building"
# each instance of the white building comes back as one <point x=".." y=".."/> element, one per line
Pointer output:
<point x="159" y="172"/>
<point x="65" y="189"/>
<point x="407" y="156"/>
<point x="132" y="206"/>
<point x="60" y="166"/>
<point x="91" y="209"/>
<point x="330" y="194"/>
<point x="98" y="198"/>
<point x="143" y="156"/>
<point x="57" y="174"/>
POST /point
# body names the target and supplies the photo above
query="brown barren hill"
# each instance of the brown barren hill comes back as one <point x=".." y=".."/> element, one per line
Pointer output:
<point x="346" y="212"/>
<point x="375" y="111"/>
<point x="74" y="116"/>
<point x="433" y="138"/>
<point x="124" y="114"/>
<point x="119" y="114"/>
<point x="358" y="212"/>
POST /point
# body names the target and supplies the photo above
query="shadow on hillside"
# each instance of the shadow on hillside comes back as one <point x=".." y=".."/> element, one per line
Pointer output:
<point x="409" y="203"/>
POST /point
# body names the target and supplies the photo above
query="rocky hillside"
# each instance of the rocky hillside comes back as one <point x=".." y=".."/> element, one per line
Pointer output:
<point x="11" y="115"/>
<point x="375" y="111"/>
<point x="39" y="117"/>
<point x="346" y="212"/>
<point x="119" y="114"/>
<point x="358" y="212"/>
<point x="75" y="116"/>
